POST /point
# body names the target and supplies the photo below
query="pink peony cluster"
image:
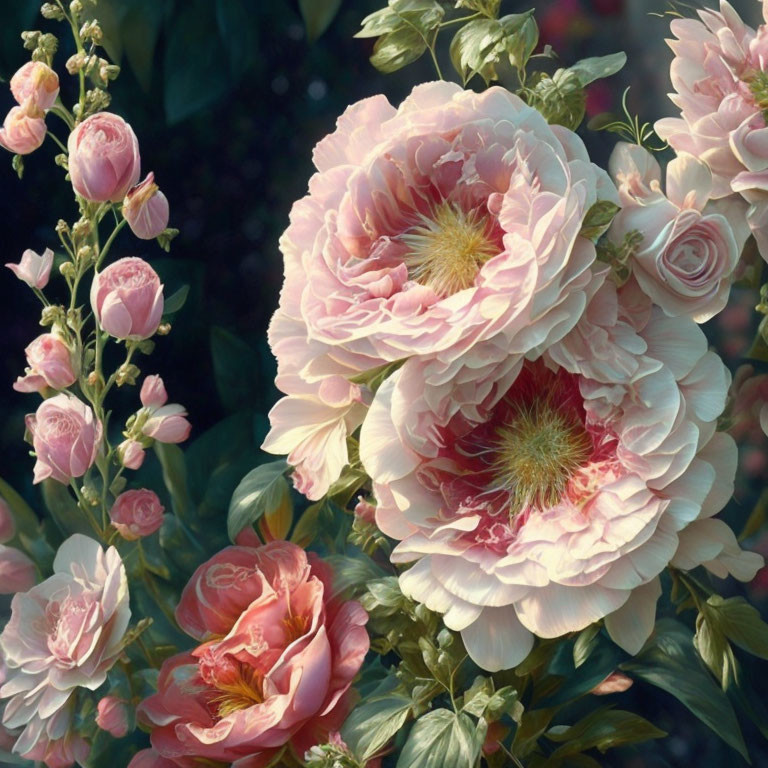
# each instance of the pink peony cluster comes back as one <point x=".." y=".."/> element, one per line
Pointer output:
<point x="276" y="658"/>
<point x="35" y="87"/>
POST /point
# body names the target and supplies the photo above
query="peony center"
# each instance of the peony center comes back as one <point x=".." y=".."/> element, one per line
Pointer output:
<point x="757" y="81"/>
<point x="447" y="249"/>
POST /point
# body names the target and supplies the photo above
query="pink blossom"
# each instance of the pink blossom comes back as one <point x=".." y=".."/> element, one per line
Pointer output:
<point x="66" y="437"/>
<point x="34" y="270"/>
<point x="131" y="454"/>
<point x="452" y="220"/>
<point x="20" y="133"/>
<point x="127" y="299"/>
<point x="146" y="209"/>
<point x="509" y="540"/>
<point x="104" y="160"/>
<point x="17" y="571"/>
<point x="616" y="682"/>
<point x="7" y="524"/>
<point x="49" y="364"/>
<point x="689" y="251"/>
<point x="278" y="655"/>
<point x="153" y="393"/>
<point x="136" y="514"/>
<point x="365" y="511"/>
<point x="112" y="716"/>
<point x="148" y="758"/>
<point x="162" y="422"/>
<point x="35" y="87"/>
<point x="63" y="634"/>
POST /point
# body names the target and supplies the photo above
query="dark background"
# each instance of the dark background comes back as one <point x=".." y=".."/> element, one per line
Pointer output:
<point x="227" y="99"/>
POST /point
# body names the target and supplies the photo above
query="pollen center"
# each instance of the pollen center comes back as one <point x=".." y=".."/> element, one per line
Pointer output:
<point x="240" y="692"/>
<point x="448" y="248"/>
<point x="758" y="86"/>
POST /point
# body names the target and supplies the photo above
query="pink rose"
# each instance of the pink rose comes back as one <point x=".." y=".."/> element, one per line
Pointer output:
<point x="17" y="571"/>
<point x="276" y="660"/>
<point x="146" y="209"/>
<point x="35" y="87"/>
<point x="127" y="299"/>
<point x="34" y="270"/>
<point x="49" y="364"/>
<point x="63" y="634"/>
<point x="112" y="716"/>
<point x="161" y="422"/>
<point x="66" y="437"/>
<point x="104" y="160"/>
<point x="20" y="133"/>
<point x="136" y="514"/>
<point x="7" y="525"/>
<point x="688" y="253"/>
<point x="53" y="742"/>
<point x="131" y="454"/>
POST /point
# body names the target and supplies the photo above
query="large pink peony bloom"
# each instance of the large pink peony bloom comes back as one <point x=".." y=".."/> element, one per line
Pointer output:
<point x="720" y="77"/>
<point x="540" y="497"/>
<point x="276" y="660"/>
<point x="63" y="634"/>
<point x="428" y="229"/>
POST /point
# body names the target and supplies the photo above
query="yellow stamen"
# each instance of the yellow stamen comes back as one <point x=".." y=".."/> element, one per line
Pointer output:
<point x="241" y="693"/>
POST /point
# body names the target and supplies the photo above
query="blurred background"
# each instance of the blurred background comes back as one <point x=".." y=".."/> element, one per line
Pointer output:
<point x="227" y="99"/>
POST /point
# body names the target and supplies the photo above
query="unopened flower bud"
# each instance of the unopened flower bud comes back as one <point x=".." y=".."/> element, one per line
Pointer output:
<point x="51" y="11"/>
<point x="112" y="716"/>
<point x="31" y="39"/>
<point x="51" y="315"/>
<point x="91" y="495"/>
<point x="62" y="226"/>
<point x="67" y="269"/>
<point x="85" y="254"/>
<point x="163" y="329"/>
<point x="75" y="63"/>
<point x="76" y="7"/>
<point x="81" y="229"/>
<point x="111" y="71"/>
<point x="146" y="209"/>
<point x="91" y="30"/>
<point x="127" y="373"/>
<point x="95" y="380"/>
<point x="146" y="347"/>
<point x="48" y="44"/>
<point x="61" y="160"/>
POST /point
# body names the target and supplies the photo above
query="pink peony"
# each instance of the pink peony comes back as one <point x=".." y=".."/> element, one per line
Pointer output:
<point x="63" y="634"/>
<point x="17" y="571"/>
<point x="688" y="254"/>
<point x="136" y="514"/>
<point x="104" y="160"/>
<point x="49" y="364"/>
<point x="112" y="716"/>
<point x="145" y="208"/>
<point x="538" y="498"/>
<point x="720" y="77"/>
<point x="35" y="87"/>
<point x="159" y="421"/>
<point x="276" y="659"/>
<point x="66" y="437"/>
<point x="127" y="299"/>
<point x="20" y="133"/>
<point x="430" y="228"/>
<point x="34" y="270"/>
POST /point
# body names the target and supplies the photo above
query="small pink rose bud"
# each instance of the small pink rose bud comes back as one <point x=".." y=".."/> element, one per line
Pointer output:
<point x="365" y="511"/>
<point x="168" y="424"/>
<point x="127" y="299"/>
<point x="146" y="209"/>
<point x="7" y="525"/>
<point x="17" y="571"/>
<point x="20" y="133"/>
<point x="104" y="160"/>
<point x="616" y="682"/>
<point x="112" y="716"/>
<point x="136" y="514"/>
<point x="66" y="437"/>
<point x="131" y="454"/>
<point x="34" y="270"/>
<point x="35" y="87"/>
<point x="49" y="365"/>
<point x="153" y="394"/>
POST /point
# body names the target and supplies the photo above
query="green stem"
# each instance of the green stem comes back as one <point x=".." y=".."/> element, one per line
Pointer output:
<point x="461" y="20"/>
<point x="61" y="112"/>
<point x="110" y="240"/>
<point x="55" y="138"/>
<point x="86" y="507"/>
<point x="150" y="582"/>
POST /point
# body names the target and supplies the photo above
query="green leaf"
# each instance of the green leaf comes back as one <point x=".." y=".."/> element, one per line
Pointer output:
<point x="375" y="377"/>
<point x="560" y="98"/>
<point x="598" y="67"/>
<point x="740" y="623"/>
<point x="140" y="31"/>
<point x="235" y="369"/>
<point x="352" y="572"/>
<point x="176" y="300"/>
<point x="585" y="644"/>
<point x="261" y="490"/>
<point x="180" y="547"/>
<point x="532" y="725"/>
<point x="598" y="219"/>
<point x="236" y="27"/>
<point x="317" y="14"/>
<point x="398" y="49"/>
<point x="443" y="739"/>
<point x="714" y="649"/>
<point x="380" y="23"/>
<point x="372" y="724"/>
<point x="175" y="478"/>
<point x="670" y="663"/>
<point x="63" y="507"/>
<point x="474" y="49"/>
<point x="25" y="519"/>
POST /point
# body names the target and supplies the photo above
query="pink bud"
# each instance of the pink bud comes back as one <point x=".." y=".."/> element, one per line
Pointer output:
<point x="131" y="454"/>
<point x="49" y="365"/>
<point x="35" y="86"/>
<point x="104" y="161"/>
<point x="146" y="209"/>
<point x="20" y="133"/>
<point x="127" y="299"/>
<point x="17" y="571"/>
<point x="168" y="424"/>
<point x="136" y="514"/>
<point x="112" y="716"/>
<point x="365" y="510"/>
<point x="34" y="270"/>
<point x="153" y="393"/>
<point x="7" y="525"/>
<point x="66" y="437"/>
<point x="616" y="682"/>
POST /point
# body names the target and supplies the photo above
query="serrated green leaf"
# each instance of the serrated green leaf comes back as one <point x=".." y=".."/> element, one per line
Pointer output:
<point x="560" y="98"/>
<point x="317" y="15"/>
<point x="598" y="67"/>
<point x="372" y="724"/>
<point x="262" y="489"/>
<point x="443" y="739"/>
<point x="474" y="49"/>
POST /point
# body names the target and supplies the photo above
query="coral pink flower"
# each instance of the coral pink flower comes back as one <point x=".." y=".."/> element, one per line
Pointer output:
<point x="21" y="133"/>
<point x="49" y="364"/>
<point x="276" y="660"/>
<point x="17" y="571"/>
<point x="538" y="498"/>
<point x="136" y="514"/>
<point x="66" y="437"/>
<point x="35" y="87"/>
<point x="161" y="422"/>
<point x="616" y="682"/>
<point x="34" y="270"/>
<point x="127" y="299"/>
<point x="451" y="220"/>
<point x="104" y="160"/>
<point x="63" y="634"/>
<point x="7" y="524"/>
<point x="146" y="209"/>
<point x="131" y="453"/>
<point x="688" y="254"/>
<point x="112" y="716"/>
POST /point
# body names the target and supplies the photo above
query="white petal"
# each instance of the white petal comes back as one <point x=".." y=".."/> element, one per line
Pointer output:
<point x="632" y="624"/>
<point x="497" y="640"/>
